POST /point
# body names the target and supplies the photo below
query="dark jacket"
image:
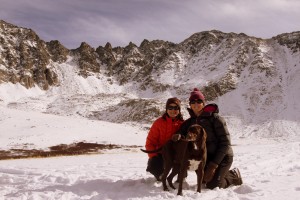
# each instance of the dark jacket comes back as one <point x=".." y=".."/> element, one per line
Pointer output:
<point x="218" y="142"/>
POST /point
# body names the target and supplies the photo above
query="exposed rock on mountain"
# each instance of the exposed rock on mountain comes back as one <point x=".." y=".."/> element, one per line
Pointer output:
<point x="107" y="57"/>
<point x="87" y="60"/>
<point x="24" y="58"/>
<point x="291" y="40"/>
<point x="57" y="51"/>
<point x="132" y="110"/>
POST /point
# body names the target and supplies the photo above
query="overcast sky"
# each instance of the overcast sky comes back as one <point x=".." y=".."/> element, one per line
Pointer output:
<point x="122" y="21"/>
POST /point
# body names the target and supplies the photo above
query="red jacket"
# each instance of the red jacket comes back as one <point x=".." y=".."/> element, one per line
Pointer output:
<point x="160" y="132"/>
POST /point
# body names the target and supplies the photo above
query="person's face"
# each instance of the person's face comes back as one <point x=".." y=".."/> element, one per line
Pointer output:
<point x="197" y="105"/>
<point x="172" y="110"/>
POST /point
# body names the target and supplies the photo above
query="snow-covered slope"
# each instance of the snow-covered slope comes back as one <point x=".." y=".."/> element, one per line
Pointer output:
<point x="270" y="166"/>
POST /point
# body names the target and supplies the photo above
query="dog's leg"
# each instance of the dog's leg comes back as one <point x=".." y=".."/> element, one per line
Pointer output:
<point x="164" y="177"/>
<point x="174" y="172"/>
<point x="168" y="163"/>
<point x="200" y="174"/>
<point x="180" y="179"/>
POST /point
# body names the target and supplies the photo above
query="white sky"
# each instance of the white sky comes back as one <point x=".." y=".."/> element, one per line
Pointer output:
<point x="121" y="21"/>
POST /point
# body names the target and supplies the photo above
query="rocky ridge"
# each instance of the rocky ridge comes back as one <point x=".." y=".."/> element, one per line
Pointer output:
<point x="216" y="62"/>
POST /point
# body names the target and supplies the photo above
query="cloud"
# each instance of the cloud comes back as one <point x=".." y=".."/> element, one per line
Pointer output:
<point x="121" y="21"/>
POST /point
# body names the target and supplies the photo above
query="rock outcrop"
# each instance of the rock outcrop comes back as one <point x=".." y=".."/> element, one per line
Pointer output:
<point x="25" y="58"/>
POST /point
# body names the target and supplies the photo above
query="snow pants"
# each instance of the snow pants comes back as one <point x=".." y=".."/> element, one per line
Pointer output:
<point x="156" y="166"/>
<point x="223" y="177"/>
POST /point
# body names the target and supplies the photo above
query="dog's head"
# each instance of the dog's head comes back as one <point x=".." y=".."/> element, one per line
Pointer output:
<point x="196" y="133"/>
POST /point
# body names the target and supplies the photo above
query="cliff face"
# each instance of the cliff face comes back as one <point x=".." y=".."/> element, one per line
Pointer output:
<point x="222" y="65"/>
<point x="24" y="58"/>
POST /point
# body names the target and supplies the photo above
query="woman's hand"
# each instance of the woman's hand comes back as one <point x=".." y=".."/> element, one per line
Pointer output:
<point x="210" y="171"/>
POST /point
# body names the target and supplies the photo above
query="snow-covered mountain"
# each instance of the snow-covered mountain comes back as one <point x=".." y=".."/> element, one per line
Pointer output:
<point x="255" y="80"/>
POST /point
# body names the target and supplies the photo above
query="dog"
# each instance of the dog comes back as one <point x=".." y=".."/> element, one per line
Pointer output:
<point x="185" y="154"/>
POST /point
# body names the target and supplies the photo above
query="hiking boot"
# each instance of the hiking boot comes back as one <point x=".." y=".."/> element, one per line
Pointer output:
<point x="238" y="178"/>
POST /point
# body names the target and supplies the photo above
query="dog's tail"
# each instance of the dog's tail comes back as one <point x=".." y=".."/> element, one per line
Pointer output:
<point x="151" y="151"/>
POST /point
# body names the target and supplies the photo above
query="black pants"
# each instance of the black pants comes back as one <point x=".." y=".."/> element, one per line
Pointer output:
<point x="223" y="177"/>
<point x="156" y="166"/>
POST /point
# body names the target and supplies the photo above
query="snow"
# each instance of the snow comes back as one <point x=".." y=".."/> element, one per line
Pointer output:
<point x="264" y="127"/>
<point x="269" y="164"/>
<point x="13" y="92"/>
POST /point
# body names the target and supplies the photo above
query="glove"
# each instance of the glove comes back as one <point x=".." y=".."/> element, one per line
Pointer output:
<point x="176" y="137"/>
<point x="210" y="171"/>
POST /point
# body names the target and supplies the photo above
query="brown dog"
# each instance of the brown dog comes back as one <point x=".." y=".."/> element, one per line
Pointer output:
<point x="185" y="154"/>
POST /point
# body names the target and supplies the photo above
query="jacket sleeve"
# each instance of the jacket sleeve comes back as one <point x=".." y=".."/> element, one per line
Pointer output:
<point x="223" y="139"/>
<point x="152" y="140"/>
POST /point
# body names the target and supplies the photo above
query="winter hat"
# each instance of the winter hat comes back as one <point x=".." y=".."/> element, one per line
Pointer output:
<point x="196" y="94"/>
<point x="174" y="100"/>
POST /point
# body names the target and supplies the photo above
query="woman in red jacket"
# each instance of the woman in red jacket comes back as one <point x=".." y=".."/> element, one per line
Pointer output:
<point x="160" y="132"/>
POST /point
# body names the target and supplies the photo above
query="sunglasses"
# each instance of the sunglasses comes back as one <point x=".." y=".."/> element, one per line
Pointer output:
<point x="199" y="101"/>
<point x="173" y="108"/>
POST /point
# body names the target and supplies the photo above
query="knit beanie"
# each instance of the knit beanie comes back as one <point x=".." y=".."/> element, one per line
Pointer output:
<point x="196" y="94"/>
<point x="173" y="100"/>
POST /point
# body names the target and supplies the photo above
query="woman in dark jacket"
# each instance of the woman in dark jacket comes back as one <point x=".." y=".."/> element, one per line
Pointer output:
<point x="218" y="144"/>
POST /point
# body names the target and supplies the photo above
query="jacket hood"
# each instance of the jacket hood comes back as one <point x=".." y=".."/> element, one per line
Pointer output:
<point x="211" y="108"/>
<point x="208" y="110"/>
